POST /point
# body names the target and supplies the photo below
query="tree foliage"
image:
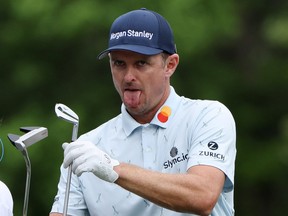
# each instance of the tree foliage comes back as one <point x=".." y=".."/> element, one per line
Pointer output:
<point x="234" y="52"/>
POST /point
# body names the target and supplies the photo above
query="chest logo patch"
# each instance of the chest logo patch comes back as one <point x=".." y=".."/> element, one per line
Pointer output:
<point x="173" y="152"/>
<point x="164" y="114"/>
<point x="176" y="158"/>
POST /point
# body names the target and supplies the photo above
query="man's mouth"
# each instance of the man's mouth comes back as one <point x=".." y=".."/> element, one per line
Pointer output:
<point x="131" y="97"/>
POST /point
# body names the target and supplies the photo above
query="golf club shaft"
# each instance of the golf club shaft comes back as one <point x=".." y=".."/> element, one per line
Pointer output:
<point x="74" y="137"/>
<point x="28" y="178"/>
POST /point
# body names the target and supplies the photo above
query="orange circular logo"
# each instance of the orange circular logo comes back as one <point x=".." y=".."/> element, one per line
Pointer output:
<point x="164" y="114"/>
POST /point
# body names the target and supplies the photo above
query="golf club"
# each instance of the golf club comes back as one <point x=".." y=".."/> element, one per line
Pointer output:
<point x="21" y="143"/>
<point x="65" y="113"/>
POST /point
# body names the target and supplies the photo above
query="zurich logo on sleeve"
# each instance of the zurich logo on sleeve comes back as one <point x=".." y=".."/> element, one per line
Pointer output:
<point x="212" y="145"/>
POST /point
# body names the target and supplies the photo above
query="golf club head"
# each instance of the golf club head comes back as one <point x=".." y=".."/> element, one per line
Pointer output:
<point x="28" y="128"/>
<point x="13" y="138"/>
<point x="33" y="136"/>
<point x="28" y="139"/>
<point x="64" y="112"/>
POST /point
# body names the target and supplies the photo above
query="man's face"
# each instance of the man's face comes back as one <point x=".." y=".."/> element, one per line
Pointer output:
<point x="142" y="82"/>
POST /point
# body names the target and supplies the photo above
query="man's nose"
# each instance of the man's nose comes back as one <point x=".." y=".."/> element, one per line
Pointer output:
<point x="130" y="74"/>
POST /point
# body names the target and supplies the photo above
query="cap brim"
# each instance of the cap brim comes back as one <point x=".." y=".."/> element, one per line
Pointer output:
<point x="134" y="48"/>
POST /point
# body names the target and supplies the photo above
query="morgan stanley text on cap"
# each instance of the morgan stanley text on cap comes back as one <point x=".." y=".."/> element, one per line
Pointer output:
<point x="142" y="31"/>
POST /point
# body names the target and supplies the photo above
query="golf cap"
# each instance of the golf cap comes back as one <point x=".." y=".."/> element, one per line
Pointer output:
<point x="142" y="31"/>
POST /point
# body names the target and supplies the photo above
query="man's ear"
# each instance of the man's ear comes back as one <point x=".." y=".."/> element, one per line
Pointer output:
<point x="171" y="64"/>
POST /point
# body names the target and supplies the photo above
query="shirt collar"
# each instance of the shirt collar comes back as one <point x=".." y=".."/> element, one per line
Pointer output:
<point x="162" y="118"/>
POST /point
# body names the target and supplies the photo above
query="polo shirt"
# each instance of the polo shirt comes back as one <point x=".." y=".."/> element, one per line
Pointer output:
<point x="182" y="134"/>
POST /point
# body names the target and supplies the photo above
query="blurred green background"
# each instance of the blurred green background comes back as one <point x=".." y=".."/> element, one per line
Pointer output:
<point x="232" y="51"/>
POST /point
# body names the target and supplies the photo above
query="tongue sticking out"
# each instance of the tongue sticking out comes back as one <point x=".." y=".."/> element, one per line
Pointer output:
<point x="132" y="98"/>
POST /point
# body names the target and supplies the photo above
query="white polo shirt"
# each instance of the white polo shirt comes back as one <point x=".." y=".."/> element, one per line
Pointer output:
<point x="6" y="201"/>
<point x="183" y="133"/>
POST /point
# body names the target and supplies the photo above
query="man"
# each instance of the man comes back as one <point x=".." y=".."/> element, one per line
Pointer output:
<point x="6" y="200"/>
<point x="164" y="154"/>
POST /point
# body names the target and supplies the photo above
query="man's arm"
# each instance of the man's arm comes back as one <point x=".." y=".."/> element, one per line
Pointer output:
<point x="195" y="192"/>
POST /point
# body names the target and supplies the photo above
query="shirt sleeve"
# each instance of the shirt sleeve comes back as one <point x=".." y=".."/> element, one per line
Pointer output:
<point x="214" y="141"/>
<point x="76" y="204"/>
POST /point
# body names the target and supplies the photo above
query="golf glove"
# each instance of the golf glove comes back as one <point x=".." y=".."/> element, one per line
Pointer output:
<point x="86" y="157"/>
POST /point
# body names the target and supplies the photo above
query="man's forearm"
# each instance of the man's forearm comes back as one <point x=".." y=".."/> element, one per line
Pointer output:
<point x="179" y="192"/>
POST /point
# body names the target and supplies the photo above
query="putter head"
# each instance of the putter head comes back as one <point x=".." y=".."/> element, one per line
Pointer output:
<point x="13" y="138"/>
<point x="65" y="113"/>
<point x="28" y="128"/>
<point x="28" y="139"/>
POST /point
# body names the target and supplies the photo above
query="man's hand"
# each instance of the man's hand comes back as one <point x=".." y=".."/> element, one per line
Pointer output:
<point x="86" y="157"/>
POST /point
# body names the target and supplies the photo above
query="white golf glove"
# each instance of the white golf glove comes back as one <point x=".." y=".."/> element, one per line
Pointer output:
<point x="86" y="157"/>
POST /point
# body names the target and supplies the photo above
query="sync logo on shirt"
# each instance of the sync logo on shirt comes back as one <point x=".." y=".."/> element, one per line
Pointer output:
<point x="176" y="159"/>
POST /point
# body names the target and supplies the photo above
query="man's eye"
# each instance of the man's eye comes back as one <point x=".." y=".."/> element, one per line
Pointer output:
<point x="141" y="63"/>
<point x="118" y="63"/>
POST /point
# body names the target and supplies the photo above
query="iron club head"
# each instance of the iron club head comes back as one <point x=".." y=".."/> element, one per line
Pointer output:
<point x="64" y="112"/>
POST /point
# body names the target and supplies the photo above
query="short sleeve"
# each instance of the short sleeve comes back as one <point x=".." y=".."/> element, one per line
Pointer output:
<point x="214" y="141"/>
